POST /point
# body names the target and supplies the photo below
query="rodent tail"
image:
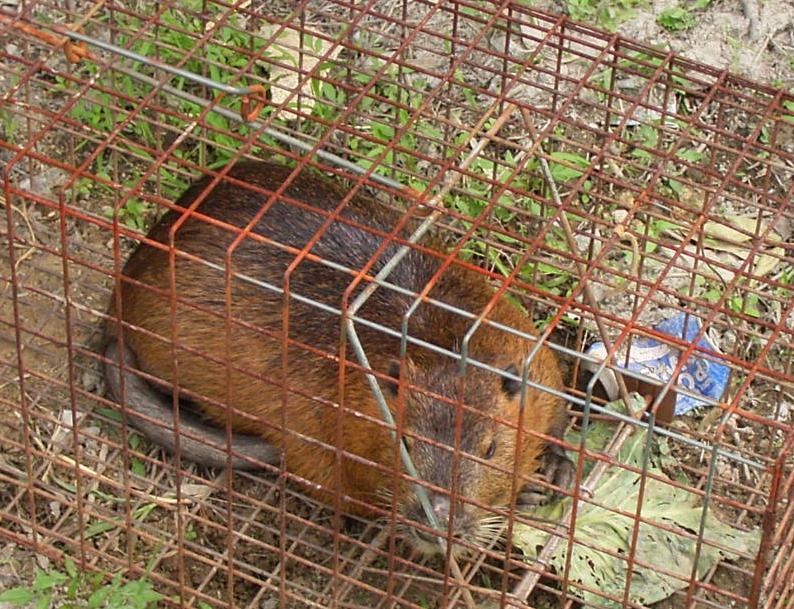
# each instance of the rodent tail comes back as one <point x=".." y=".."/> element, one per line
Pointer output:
<point x="199" y="441"/>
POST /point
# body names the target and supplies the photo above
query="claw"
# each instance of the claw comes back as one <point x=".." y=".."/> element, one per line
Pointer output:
<point x="556" y="469"/>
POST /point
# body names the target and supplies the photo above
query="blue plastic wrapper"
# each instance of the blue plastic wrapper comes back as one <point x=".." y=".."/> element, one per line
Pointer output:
<point x="658" y="360"/>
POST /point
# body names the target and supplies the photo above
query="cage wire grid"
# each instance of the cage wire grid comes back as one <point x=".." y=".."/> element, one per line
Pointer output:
<point x="595" y="181"/>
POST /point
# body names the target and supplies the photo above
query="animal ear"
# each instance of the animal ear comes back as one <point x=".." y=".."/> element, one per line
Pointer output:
<point x="510" y="386"/>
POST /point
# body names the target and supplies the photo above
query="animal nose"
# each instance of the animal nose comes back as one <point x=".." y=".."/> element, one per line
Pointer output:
<point x="440" y="505"/>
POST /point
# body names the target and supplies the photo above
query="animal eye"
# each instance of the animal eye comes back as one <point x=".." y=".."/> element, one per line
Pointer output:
<point x="409" y="443"/>
<point x="491" y="450"/>
<point x="510" y="386"/>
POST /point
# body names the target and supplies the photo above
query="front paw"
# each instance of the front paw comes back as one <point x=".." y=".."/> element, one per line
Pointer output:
<point x="556" y="469"/>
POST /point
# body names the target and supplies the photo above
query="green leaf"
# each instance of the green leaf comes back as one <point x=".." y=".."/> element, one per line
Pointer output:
<point x="676" y="19"/>
<point x="111" y="414"/>
<point x="99" y="527"/>
<point x="47" y="581"/>
<point x="70" y="567"/>
<point x="382" y="131"/>
<point x="675" y="186"/>
<point x="74" y="587"/>
<point x="496" y="259"/>
<point x="138" y="468"/>
<point x="44" y="601"/>
<point x="788" y="105"/>
<point x="143" y="511"/>
<point x="712" y="295"/>
<point x="17" y="596"/>
<point x="563" y="173"/>
<point x="98" y="597"/>
<point x="691" y="155"/>
<point x="602" y="527"/>
<point x="147" y="596"/>
<point x="134" y="441"/>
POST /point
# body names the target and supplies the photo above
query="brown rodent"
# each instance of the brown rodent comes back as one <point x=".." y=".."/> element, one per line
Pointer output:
<point x="252" y="385"/>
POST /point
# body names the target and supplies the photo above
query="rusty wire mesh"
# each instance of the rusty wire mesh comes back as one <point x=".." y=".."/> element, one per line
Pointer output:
<point x="527" y="124"/>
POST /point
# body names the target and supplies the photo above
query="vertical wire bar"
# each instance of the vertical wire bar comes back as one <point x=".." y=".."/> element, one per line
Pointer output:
<point x="24" y="405"/>
<point x="67" y="320"/>
<point x="401" y="403"/>
<point x="693" y="577"/>
<point x="635" y="533"/>
<point x="770" y="519"/>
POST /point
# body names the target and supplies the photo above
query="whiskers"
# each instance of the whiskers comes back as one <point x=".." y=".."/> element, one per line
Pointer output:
<point x="478" y="528"/>
<point x="384" y="494"/>
<point x="489" y="530"/>
<point x="384" y="497"/>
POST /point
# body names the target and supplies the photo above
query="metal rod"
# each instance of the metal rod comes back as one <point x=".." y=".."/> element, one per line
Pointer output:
<point x="276" y="134"/>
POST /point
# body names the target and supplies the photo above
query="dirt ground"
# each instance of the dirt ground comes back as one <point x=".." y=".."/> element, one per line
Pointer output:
<point x="752" y="38"/>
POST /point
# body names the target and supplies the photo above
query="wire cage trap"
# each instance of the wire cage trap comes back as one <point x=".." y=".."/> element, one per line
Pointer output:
<point x="637" y="207"/>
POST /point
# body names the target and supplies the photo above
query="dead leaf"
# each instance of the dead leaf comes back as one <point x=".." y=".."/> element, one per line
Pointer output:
<point x="300" y="50"/>
<point x="746" y="228"/>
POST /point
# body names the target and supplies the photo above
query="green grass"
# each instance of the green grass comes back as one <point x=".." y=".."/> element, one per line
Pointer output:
<point x="681" y="17"/>
<point x="608" y="14"/>
<point x="789" y="106"/>
<point x="381" y="114"/>
<point x="8" y="123"/>
<point x="72" y="589"/>
<point x="380" y="118"/>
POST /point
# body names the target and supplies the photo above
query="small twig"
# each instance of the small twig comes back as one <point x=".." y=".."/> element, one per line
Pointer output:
<point x="23" y="213"/>
<point x="95" y="8"/>
<point x="571" y="241"/>
<point x="761" y="48"/>
<point x="620" y="231"/>
<point x="749" y="10"/>
<point x="28" y="253"/>
<point x="14" y="381"/>
<point x="87" y="471"/>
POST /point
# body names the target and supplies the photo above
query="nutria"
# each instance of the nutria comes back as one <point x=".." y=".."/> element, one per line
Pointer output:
<point x="253" y="386"/>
